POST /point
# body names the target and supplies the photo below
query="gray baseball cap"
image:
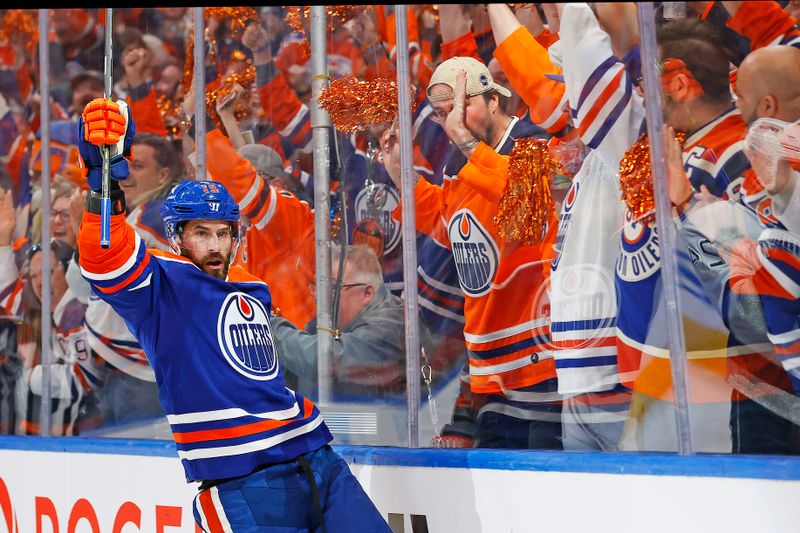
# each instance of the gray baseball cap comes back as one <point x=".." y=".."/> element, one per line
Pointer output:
<point x="266" y="160"/>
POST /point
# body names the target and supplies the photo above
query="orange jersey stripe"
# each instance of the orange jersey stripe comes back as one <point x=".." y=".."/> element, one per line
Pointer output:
<point x="517" y="379"/>
<point x="210" y="512"/>
<point x="238" y="431"/>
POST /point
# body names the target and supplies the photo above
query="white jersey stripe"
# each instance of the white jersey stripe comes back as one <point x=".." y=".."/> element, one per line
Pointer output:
<point x="785" y="338"/>
<point x="423" y="114"/>
<point x="582" y="353"/>
<point x="520" y="412"/>
<point x="438" y="284"/>
<point x="118" y="271"/>
<point x="791" y="364"/>
<point x="251" y="194"/>
<point x="523" y="361"/>
<point x="300" y="115"/>
<point x="228" y="414"/>
<point x="505" y="333"/>
<point x="249" y="447"/>
<point x="556" y="114"/>
<point x="223" y="520"/>
<point x="532" y="397"/>
<point x="273" y="199"/>
<point x="430" y="306"/>
<point x="581" y="334"/>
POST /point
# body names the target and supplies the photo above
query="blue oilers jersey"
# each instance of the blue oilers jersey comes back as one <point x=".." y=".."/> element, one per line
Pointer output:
<point x="210" y="345"/>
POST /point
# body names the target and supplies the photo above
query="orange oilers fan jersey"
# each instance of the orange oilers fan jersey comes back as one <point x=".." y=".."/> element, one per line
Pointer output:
<point x="765" y="24"/>
<point x="278" y="244"/>
<point x="505" y="331"/>
<point x="526" y="62"/>
<point x="143" y="102"/>
<point x="284" y="111"/>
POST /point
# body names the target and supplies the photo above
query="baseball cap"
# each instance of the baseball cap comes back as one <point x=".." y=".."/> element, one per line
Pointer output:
<point x="266" y="160"/>
<point x="479" y="79"/>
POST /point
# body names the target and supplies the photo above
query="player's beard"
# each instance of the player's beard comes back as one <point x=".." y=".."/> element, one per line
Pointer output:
<point x="215" y="258"/>
<point x="220" y="262"/>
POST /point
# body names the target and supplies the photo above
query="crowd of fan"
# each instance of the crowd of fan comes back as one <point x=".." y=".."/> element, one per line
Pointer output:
<point x="538" y="367"/>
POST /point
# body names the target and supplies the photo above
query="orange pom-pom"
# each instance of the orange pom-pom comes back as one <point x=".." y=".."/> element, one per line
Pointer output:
<point x="21" y="25"/>
<point x="636" y="180"/>
<point x="356" y="105"/>
<point x="239" y="18"/>
<point x="527" y="206"/>
<point x="298" y="17"/>
<point x="245" y="78"/>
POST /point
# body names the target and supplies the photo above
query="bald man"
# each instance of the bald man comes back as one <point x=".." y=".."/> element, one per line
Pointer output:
<point x="768" y="84"/>
<point x="769" y="87"/>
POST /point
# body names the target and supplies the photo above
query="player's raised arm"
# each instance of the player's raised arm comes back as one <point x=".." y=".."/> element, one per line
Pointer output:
<point x="110" y="270"/>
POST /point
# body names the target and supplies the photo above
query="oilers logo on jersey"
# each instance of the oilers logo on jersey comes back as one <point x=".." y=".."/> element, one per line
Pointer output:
<point x="639" y="258"/>
<point x="564" y="220"/>
<point x="584" y="299"/>
<point x="245" y="337"/>
<point x="475" y="253"/>
<point x="376" y="203"/>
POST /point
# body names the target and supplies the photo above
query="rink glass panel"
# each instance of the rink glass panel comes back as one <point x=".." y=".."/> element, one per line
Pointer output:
<point x="611" y="348"/>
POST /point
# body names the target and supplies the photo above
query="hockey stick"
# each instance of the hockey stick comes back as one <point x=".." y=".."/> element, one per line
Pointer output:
<point x="105" y="202"/>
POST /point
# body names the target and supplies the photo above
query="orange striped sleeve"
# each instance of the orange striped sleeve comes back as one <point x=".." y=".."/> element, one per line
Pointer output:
<point x="526" y="62"/>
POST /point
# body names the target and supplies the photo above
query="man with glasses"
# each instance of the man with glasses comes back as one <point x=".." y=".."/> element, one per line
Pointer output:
<point x="74" y="374"/>
<point x="259" y="449"/>
<point x="369" y="342"/>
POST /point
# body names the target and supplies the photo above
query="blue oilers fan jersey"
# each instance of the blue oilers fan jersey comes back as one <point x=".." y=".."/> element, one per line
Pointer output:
<point x="220" y="383"/>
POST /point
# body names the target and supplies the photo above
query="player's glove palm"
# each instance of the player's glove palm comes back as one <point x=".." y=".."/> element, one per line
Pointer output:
<point x="105" y="123"/>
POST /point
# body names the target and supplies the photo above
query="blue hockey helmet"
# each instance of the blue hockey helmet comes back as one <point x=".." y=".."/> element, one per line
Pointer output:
<point x="198" y="199"/>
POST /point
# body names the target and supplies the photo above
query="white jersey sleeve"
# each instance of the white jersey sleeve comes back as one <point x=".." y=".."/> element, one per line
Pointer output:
<point x="605" y="109"/>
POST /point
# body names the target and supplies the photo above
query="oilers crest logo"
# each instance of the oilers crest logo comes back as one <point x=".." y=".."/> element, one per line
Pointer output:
<point x="475" y="253"/>
<point x="577" y="295"/>
<point x="564" y="220"/>
<point x="572" y="195"/>
<point x="245" y="337"/>
<point x="639" y="256"/>
<point x="377" y="204"/>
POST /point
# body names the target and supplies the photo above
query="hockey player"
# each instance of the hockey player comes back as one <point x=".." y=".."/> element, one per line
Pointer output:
<point x="238" y="429"/>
